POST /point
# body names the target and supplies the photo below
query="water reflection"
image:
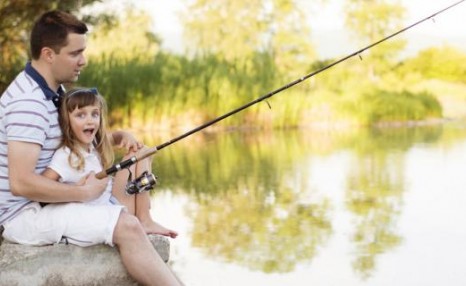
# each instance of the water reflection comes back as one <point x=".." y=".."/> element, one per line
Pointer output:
<point x="375" y="187"/>
<point x="267" y="234"/>
<point x="249" y="206"/>
<point x="254" y="202"/>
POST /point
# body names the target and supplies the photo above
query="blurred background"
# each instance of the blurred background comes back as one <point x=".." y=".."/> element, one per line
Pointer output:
<point x="175" y="64"/>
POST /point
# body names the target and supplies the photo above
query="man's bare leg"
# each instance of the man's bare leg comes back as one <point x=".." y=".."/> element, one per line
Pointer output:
<point x="138" y="255"/>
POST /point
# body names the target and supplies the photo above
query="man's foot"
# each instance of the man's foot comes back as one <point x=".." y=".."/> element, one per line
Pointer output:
<point x="151" y="227"/>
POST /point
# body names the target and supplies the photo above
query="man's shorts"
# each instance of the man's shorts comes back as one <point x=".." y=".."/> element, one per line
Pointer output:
<point x="76" y="223"/>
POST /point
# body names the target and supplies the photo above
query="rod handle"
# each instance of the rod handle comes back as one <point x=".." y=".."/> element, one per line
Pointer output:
<point x="125" y="164"/>
<point x="101" y="175"/>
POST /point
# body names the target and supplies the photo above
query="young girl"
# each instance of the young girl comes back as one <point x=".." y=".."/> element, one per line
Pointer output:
<point x="86" y="148"/>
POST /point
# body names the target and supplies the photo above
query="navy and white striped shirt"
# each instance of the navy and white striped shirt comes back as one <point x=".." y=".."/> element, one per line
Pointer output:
<point x="26" y="115"/>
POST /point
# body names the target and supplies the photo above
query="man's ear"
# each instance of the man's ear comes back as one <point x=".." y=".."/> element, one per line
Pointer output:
<point x="47" y="54"/>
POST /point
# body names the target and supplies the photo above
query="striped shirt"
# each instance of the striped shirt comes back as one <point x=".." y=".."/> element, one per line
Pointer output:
<point x="26" y="115"/>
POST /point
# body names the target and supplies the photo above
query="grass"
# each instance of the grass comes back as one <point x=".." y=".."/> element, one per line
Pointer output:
<point x="172" y="92"/>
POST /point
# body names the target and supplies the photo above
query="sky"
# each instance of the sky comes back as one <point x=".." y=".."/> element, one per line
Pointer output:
<point x="328" y="29"/>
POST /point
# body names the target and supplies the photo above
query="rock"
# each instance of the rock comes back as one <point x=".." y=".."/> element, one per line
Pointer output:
<point x="62" y="264"/>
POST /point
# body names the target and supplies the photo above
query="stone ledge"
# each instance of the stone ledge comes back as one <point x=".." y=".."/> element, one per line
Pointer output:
<point x="62" y="264"/>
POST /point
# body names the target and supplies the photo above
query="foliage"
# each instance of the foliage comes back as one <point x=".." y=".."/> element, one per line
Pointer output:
<point x="171" y="86"/>
<point x="451" y="95"/>
<point x="382" y="106"/>
<point x="245" y="28"/>
<point x="257" y="48"/>
<point x="372" y="21"/>
<point x="135" y="42"/>
<point x="444" y="63"/>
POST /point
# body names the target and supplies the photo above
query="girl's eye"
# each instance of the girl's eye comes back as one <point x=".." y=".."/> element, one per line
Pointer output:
<point x="96" y="114"/>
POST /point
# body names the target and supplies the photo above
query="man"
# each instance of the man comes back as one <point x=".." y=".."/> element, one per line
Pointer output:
<point x="29" y="134"/>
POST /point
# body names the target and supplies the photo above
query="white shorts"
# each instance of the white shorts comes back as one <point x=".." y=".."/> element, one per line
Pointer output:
<point x="77" y="223"/>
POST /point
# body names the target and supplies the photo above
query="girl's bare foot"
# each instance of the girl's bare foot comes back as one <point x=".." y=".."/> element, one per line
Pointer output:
<point x="151" y="227"/>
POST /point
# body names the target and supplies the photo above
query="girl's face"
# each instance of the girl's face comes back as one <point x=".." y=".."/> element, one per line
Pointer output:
<point x="85" y="122"/>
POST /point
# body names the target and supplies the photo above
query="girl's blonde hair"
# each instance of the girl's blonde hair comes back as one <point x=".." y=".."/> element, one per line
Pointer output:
<point x="78" y="98"/>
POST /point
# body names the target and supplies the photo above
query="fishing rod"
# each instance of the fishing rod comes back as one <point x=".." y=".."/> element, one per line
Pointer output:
<point x="150" y="151"/>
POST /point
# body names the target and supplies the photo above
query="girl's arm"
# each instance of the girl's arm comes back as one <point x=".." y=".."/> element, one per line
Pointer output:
<point x="25" y="182"/>
<point x="51" y="174"/>
<point x="125" y="140"/>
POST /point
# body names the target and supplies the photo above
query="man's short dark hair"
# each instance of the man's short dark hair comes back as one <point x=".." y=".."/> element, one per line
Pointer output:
<point x="52" y="29"/>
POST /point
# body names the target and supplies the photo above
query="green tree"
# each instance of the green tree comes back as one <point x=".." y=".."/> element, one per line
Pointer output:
<point x="289" y="40"/>
<point x="237" y="30"/>
<point x="444" y="63"/>
<point x="230" y="28"/>
<point x="372" y="20"/>
<point x="126" y="38"/>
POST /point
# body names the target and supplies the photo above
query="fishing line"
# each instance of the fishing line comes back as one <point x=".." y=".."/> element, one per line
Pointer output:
<point x="153" y="150"/>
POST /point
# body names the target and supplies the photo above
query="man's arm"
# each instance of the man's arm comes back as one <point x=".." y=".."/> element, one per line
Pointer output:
<point x="22" y="159"/>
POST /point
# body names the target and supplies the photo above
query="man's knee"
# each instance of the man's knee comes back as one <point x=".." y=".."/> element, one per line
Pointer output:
<point x="127" y="226"/>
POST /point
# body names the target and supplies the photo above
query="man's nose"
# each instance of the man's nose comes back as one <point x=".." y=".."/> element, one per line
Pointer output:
<point x="82" y="61"/>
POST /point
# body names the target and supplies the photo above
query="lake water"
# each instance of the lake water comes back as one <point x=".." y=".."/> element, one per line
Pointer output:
<point x="353" y="207"/>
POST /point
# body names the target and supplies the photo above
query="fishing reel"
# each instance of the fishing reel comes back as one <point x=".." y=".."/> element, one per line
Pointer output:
<point x="143" y="183"/>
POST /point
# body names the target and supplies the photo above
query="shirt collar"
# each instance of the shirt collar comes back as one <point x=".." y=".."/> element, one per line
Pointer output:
<point x="89" y="150"/>
<point x="48" y="92"/>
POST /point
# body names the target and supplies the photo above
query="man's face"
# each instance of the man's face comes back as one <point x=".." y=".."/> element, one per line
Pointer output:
<point x="68" y="63"/>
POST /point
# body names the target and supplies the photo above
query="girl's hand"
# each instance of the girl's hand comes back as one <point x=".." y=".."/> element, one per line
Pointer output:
<point x="93" y="187"/>
<point x="82" y="181"/>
